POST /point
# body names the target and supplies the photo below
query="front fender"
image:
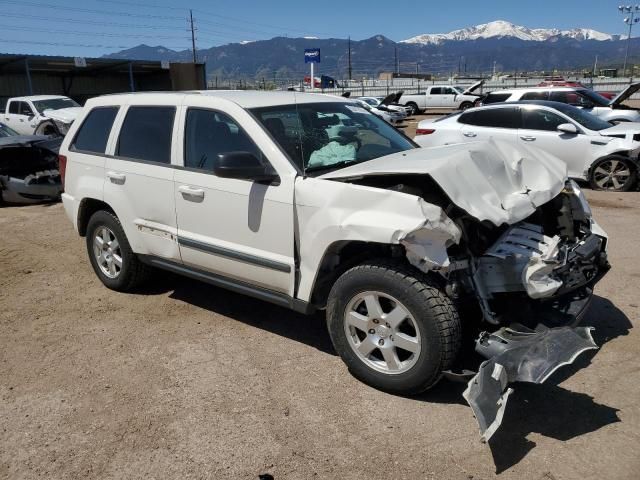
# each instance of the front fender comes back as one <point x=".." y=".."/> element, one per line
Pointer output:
<point x="329" y="211"/>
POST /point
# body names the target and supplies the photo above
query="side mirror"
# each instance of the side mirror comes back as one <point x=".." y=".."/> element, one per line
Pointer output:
<point x="568" y="128"/>
<point x="244" y="166"/>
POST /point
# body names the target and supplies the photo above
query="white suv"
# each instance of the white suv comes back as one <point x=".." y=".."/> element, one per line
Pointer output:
<point x="614" y="111"/>
<point x="311" y="202"/>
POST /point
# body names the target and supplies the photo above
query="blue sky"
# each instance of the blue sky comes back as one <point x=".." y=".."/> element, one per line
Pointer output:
<point x="96" y="27"/>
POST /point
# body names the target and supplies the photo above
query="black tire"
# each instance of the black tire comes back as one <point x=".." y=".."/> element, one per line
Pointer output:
<point x="625" y="182"/>
<point x="414" y="108"/>
<point x="434" y="314"/>
<point x="466" y="105"/>
<point x="133" y="272"/>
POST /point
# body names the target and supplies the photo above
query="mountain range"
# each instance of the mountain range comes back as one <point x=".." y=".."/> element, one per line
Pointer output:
<point x="471" y="50"/>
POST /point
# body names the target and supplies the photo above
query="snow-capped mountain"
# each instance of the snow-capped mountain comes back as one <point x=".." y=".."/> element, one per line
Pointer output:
<point x="501" y="29"/>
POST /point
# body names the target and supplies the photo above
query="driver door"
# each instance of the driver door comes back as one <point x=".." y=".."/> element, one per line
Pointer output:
<point x="241" y="230"/>
<point x="20" y="117"/>
<point x="540" y="128"/>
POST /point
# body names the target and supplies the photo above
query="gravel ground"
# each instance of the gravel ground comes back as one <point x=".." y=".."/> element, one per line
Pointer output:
<point x="183" y="380"/>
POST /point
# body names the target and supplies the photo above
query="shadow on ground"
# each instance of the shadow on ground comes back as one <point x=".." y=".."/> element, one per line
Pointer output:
<point x="547" y="409"/>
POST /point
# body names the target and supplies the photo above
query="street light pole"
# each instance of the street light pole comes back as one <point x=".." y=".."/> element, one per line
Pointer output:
<point x="632" y="13"/>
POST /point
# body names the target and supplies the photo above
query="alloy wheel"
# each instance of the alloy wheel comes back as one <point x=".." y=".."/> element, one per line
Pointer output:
<point x="382" y="332"/>
<point x="106" y="250"/>
<point x="611" y="174"/>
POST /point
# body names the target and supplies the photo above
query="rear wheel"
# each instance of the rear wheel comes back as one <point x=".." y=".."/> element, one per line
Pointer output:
<point x="394" y="329"/>
<point x="615" y="173"/>
<point x="115" y="264"/>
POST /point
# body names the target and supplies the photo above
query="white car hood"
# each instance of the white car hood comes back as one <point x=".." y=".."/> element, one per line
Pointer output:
<point x="64" y="115"/>
<point x="622" y="128"/>
<point x="494" y="180"/>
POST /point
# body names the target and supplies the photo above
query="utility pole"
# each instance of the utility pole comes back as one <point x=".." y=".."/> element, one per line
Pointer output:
<point x="632" y="18"/>
<point x="193" y="36"/>
<point x="349" y="57"/>
<point x="397" y="63"/>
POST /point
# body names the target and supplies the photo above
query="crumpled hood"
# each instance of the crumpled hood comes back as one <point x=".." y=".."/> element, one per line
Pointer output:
<point x="64" y="115"/>
<point x="494" y="180"/>
<point x="622" y="128"/>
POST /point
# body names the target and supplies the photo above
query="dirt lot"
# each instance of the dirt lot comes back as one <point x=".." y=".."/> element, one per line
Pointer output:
<point x="188" y="381"/>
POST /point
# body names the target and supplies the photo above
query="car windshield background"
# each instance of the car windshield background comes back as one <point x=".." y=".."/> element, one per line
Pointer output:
<point x="505" y="117"/>
<point x="324" y="136"/>
<point x="54" y="104"/>
<point x="146" y="134"/>
<point x="594" y="97"/>
<point x="208" y="134"/>
<point x="94" y="132"/>
<point x="6" y="131"/>
<point x="585" y="119"/>
<point x="496" y="98"/>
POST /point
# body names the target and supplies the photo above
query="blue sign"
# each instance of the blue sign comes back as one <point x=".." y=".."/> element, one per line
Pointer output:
<point x="311" y="55"/>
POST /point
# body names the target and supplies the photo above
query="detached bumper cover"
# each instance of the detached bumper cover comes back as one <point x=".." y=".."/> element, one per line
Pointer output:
<point x="518" y="356"/>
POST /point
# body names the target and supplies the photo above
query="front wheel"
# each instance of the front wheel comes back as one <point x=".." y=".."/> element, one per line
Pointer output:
<point x="614" y="173"/>
<point x="466" y="105"/>
<point x="394" y="329"/>
<point x="413" y="108"/>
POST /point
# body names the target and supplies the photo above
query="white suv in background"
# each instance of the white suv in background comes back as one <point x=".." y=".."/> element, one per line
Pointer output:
<point x="613" y="111"/>
<point x="311" y="202"/>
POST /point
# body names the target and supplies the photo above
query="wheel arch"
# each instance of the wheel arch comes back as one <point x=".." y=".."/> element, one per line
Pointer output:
<point x="89" y="206"/>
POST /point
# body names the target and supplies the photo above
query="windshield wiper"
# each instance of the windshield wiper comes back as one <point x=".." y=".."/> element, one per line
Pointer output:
<point x="340" y="164"/>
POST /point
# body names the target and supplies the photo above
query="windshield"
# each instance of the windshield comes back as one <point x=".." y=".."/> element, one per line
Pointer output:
<point x="54" y="104"/>
<point x="585" y="119"/>
<point x="6" y="131"/>
<point x="319" y="137"/>
<point x="371" y="101"/>
<point x="594" y="97"/>
<point x="459" y="89"/>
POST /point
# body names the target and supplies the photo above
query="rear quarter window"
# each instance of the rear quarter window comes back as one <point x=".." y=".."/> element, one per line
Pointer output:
<point x="146" y="134"/>
<point x="496" y="98"/>
<point x="492" y="117"/>
<point x="94" y="132"/>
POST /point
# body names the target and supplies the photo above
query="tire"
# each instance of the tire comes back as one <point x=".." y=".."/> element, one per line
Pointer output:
<point x="131" y="272"/>
<point x="413" y="107"/>
<point x="432" y="325"/>
<point x="614" y="173"/>
<point x="466" y="105"/>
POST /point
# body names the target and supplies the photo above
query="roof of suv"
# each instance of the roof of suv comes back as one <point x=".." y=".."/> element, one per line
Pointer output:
<point x="38" y="97"/>
<point x="245" y="99"/>
<point x="538" y="89"/>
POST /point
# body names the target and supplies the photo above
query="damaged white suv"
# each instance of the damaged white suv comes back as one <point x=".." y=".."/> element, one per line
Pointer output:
<point x="311" y="202"/>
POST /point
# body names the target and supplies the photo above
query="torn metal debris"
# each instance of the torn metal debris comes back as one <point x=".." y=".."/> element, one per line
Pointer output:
<point x="518" y="356"/>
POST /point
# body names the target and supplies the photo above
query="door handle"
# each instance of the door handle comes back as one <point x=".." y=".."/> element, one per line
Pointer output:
<point x="191" y="192"/>
<point x="470" y="134"/>
<point x="527" y="138"/>
<point x="117" y="178"/>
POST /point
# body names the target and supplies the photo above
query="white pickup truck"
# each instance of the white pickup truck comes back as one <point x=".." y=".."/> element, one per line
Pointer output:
<point x="40" y="114"/>
<point x="441" y="97"/>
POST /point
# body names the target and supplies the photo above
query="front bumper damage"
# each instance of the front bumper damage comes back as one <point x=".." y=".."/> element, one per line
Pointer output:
<point x="520" y="355"/>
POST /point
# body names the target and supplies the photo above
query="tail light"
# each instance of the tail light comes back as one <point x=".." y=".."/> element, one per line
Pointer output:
<point x="62" y="168"/>
<point x="424" y="131"/>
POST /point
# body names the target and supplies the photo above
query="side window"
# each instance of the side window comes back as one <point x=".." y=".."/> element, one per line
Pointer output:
<point x="538" y="119"/>
<point x="208" y="134"/>
<point x="496" y="98"/>
<point x="25" y="109"/>
<point x="14" y="107"/>
<point x="494" y="117"/>
<point x="146" y="134"/>
<point x="436" y="91"/>
<point x="94" y="132"/>
<point x="448" y="91"/>
<point x="535" y="96"/>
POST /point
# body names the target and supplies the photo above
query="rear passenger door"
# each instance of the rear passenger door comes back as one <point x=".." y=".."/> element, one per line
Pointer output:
<point x="499" y="123"/>
<point x="239" y="229"/>
<point x="139" y="178"/>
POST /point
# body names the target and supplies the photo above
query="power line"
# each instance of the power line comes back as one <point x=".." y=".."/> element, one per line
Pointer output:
<point x="89" y="22"/>
<point x="87" y="10"/>
<point x="100" y="34"/>
<point x="82" y="45"/>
